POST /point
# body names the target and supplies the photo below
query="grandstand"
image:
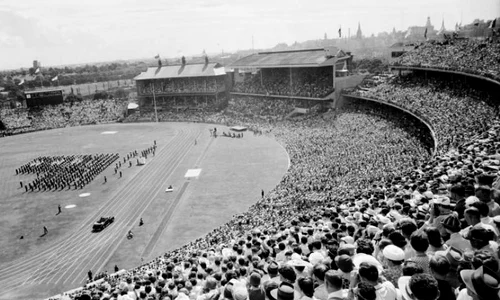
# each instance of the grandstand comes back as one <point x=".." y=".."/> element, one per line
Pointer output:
<point x="181" y="87"/>
<point x="310" y="74"/>
<point x="363" y="197"/>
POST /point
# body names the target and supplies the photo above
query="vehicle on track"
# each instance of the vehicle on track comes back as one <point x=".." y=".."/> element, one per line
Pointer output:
<point x="102" y="223"/>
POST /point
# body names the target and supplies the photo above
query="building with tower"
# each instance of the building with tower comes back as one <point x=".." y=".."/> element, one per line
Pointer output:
<point x="359" y="34"/>
<point x="421" y="33"/>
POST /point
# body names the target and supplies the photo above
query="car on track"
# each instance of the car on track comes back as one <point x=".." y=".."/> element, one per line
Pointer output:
<point x="102" y="223"/>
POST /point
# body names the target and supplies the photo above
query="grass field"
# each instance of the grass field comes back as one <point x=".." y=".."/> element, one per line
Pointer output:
<point x="233" y="171"/>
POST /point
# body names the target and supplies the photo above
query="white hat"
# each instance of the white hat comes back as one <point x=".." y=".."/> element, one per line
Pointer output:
<point x="470" y="200"/>
<point x="394" y="253"/>
<point x="348" y="239"/>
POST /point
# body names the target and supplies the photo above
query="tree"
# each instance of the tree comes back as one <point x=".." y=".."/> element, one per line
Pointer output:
<point x="121" y="93"/>
<point x="183" y="61"/>
<point x="326" y="36"/>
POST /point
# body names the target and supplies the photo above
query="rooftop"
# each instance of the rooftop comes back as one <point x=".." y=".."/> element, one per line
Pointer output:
<point x="319" y="57"/>
<point x="180" y="71"/>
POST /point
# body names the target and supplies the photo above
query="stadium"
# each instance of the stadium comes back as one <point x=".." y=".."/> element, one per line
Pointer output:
<point x="282" y="176"/>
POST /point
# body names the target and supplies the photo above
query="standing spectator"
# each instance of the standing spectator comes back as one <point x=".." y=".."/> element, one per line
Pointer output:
<point x="255" y="289"/>
<point x="318" y="274"/>
<point x="420" y="243"/>
<point x="452" y="226"/>
<point x="333" y="283"/>
<point x="385" y="290"/>
<point x="440" y="267"/>
<point x="395" y="257"/>
<point x="306" y="288"/>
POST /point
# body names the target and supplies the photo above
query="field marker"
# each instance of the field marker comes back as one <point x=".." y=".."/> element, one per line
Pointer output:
<point x="70" y="206"/>
<point x="82" y="195"/>
<point x="109" y="132"/>
<point x="192" y="173"/>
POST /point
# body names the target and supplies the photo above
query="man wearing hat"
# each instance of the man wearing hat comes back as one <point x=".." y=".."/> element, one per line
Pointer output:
<point x="452" y="226"/>
<point x="481" y="284"/>
<point x="285" y="292"/>
<point x="394" y="257"/>
<point x="454" y="257"/>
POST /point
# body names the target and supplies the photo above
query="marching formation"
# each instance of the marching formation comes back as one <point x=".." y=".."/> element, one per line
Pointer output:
<point x="56" y="173"/>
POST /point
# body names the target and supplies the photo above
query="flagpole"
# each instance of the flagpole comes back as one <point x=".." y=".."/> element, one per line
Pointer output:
<point x="154" y="101"/>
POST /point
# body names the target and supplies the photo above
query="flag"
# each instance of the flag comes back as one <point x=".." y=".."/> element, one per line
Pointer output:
<point x="425" y="33"/>
<point x="493" y="23"/>
<point x="22" y="81"/>
<point x="55" y="78"/>
<point x="340" y="32"/>
<point x="37" y="70"/>
<point x="157" y="56"/>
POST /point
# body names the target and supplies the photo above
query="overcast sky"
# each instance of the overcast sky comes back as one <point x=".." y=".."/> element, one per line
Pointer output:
<point x="67" y="31"/>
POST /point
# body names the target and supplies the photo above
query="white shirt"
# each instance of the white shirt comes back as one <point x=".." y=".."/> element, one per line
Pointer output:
<point x="386" y="291"/>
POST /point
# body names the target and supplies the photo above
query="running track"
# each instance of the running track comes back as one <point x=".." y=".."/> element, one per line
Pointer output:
<point x="68" y="259"/>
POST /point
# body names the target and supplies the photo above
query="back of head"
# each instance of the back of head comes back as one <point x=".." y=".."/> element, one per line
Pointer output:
<point x="306" y="285"/>
<point x="424" y="287"/>
<point x="368" y="272"/>
<point x="333" y="279"/>
<point x="411" y="268"/>
<point x="364" y="246"/>
<point x="366" y="291"/>
<point x="319" y="271"/>
<point x="439" y="264"/>
<point x="482" y="207"/>
<point x="419" y="241"/>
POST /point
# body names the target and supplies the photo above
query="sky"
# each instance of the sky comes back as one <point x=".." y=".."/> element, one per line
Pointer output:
<point x="59" y="32"/>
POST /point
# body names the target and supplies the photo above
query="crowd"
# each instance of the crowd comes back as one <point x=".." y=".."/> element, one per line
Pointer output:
<point x="304" y="82"/>
<point x="21" y="120"/>
<point x="182" y="85"/>
<point x="466" y="55"/>
<point x="456" y="111"/>
<point x="54" y="173"/>
<point x="179" y="103"/>
<point x="426" y="232"/>
<point x="364" y="212"/>
<point x="259" y="107"/>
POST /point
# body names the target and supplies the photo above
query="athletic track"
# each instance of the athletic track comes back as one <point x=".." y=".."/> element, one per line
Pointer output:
<point x="68" y="259"/>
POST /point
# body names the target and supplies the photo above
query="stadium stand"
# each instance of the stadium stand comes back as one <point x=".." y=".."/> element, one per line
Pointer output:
<point x="465" y="55"/>
<point x="364" y="212"/>
<point x="22" y="120"/>
<point x="195" y="86"/>
<point x="299" y="73"/>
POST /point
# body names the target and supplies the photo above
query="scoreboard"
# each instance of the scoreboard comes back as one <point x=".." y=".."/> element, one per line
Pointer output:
<point x="41" y="98"/>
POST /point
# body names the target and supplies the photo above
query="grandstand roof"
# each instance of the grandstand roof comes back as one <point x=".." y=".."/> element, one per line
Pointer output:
<point x="179" y="71"/>
<point x="319" y="57"/>
<point x="43" y="90"/>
